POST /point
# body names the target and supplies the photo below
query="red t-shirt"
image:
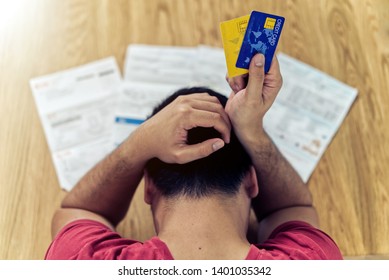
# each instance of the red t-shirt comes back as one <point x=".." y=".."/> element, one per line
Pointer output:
<point x="87" y="239"/>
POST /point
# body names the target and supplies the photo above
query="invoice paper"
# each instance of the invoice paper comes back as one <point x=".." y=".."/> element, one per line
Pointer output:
<point x="76" y="108"/>
<point x="306" y="113"/>
<point x="180" y="66"/>
<point x="160" y="64"/>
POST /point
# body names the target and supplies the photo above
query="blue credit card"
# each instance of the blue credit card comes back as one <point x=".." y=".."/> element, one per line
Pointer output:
<point x="262" y="35"/>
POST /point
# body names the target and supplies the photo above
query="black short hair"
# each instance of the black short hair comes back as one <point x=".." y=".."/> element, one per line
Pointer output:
<point x="220" y="173"/>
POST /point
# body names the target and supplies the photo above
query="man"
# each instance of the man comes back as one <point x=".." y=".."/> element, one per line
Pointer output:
<point x="205" y="161"/>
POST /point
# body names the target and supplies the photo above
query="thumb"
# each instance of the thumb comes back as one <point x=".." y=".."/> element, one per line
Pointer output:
<point x="201" y="150"/>
<point x="256" y="76"/>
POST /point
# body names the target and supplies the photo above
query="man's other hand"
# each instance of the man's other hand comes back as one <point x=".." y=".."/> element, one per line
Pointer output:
<point x="165" y="134"/>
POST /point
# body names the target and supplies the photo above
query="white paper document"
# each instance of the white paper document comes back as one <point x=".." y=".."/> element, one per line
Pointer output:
<point x="180" y="66"/>
<point x="76" y="108"/>
<point x="306" y="113"/>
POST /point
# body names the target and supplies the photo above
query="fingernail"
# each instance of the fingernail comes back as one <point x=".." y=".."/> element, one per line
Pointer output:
<point x="259" y="60"/>
<point x="237" y="87"/>
<point x="217" y="145"/>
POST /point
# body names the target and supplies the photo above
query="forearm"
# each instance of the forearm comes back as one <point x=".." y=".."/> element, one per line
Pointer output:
<point x="280" y="185"/>
<point x="283" y="196"/>
<point x="108" y="188"/>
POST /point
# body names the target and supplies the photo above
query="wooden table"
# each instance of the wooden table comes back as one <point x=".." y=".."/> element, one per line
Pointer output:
<point x="348" y="39"/>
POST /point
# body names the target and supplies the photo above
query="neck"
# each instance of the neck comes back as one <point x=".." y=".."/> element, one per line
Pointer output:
<point x="207" y="228"/>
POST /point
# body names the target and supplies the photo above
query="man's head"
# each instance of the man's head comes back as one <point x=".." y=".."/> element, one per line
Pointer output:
<point x="220" y="173"/>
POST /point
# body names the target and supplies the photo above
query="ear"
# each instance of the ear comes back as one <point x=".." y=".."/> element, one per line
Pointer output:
<point x="150" y="189"/>
<point x="252" y="183"/>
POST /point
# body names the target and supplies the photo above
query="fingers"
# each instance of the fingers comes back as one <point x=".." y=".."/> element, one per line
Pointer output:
<point x="197" y="151"/>
<point x="204" y="96"/>
<point x="256" y="76"/>
<point x="203" y="110"/>
<point x="237" y="83"/>
<point x="211" y="107"/>
<point x="272" y="83"/>
<point x="199" y="118"/>
<point x="274" y="67"/>
<point x="187" y="112"/>
<point x="273" y="78"/>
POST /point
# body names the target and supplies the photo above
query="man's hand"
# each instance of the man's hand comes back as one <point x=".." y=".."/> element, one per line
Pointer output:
<point x="283" y="195"/>
<point x="247" y="106"/>
<point x="165" y="134"/>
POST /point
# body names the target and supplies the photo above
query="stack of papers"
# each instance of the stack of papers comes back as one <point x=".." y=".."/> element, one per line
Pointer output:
<point x="87" y="111"/>
<point x="306" y="113"/>
<point x="76" y="108"/>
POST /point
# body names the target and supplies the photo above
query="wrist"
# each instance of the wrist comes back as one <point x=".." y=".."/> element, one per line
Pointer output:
<point x="253" y="138"/>
<point x="136" y="147"/>
<point x="259" y="146"/>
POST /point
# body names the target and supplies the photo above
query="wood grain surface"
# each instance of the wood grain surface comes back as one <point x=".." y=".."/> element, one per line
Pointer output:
<point x="347" y="39"/>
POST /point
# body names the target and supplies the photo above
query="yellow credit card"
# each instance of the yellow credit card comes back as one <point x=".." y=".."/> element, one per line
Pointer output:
<point x="232" y="35"/>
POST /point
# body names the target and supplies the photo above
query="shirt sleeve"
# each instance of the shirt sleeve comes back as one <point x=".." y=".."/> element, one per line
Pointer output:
<point x="86" y="239"/>
<point x="300" y="240"/>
